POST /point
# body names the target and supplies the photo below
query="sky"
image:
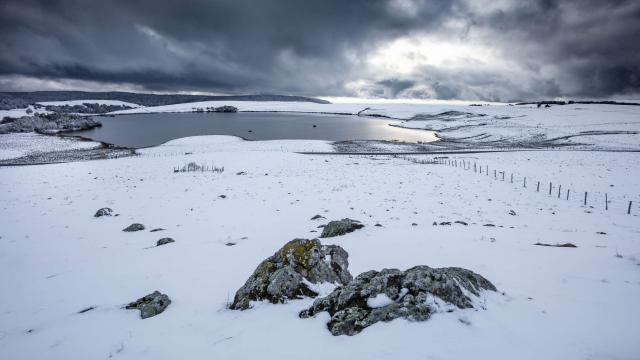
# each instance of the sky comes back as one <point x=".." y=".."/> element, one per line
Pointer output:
<point x="487" y="50"/>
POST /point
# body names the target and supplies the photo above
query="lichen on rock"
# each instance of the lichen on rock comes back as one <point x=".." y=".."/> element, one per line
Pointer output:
<point x="286" y="274"/>
<point x="414" y="294"/>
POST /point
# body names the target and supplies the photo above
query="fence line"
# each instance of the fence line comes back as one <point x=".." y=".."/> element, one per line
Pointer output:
<point x="480" y="168"/>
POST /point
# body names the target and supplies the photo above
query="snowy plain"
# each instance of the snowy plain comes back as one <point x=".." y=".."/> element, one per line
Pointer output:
<point x="554" y="303"/>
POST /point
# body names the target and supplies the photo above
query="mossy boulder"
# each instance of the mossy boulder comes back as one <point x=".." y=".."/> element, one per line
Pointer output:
<point x="340" y="227"/>
<point x="285" y="275"/>
<point x="414" y="294"/>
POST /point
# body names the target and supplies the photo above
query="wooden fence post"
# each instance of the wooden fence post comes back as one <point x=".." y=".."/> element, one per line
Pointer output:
<point x="585" y="198"/>
<point x="525" y="182"/>
<point x="538" y="188"/>
<point x="567" y="194"/>
<point x="606" y="201"/>
<point x="629" y="208"/>
<point x="559" y="188"/>
<point x="550" y="186"/>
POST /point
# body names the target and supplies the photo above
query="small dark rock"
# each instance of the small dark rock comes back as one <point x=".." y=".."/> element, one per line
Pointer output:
<point x="601" y="233"/>
<point x="230" y="243"/>
<point x="489" y="225"/>
<point x="378" y="225"/>
<point x="241" y="173"/>
<point x="512" y="213"/>
<point x="445" y="223"/>
<point x="157" y="229"/>
<point x="165" y="241"/>
<point x="150" y="305"/>
<point x="340" y="227"/>
<point x="565" y="245"/>
<point x="461" y="222"/>
<point x="86" y="309"/>
<point x="105" y="211"/>
<point x="222" y="196"/>
<point x="414" y="224"/>
<point x="316" y="217"/>
<point x="134" y="227"/>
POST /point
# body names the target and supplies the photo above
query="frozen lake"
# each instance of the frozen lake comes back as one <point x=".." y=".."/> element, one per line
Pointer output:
<point x="143" y="130"/>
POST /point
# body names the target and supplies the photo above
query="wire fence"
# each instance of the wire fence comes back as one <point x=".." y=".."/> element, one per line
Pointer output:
<point x="588" y="199"/>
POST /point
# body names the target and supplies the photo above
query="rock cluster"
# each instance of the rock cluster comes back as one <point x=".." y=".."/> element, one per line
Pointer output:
<point x="285" y="274"/>
<point x="414" y="294"/>
<point x="150" y="305"/>
<point x="340" y="227"/>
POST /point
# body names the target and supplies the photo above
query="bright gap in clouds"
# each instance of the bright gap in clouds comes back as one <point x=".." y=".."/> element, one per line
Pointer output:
<point x="407" y="55"/>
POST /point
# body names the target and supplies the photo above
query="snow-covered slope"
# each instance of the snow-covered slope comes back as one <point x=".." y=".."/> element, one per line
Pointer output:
<point x="559" y="303"/>
<point x="23" y="144"/>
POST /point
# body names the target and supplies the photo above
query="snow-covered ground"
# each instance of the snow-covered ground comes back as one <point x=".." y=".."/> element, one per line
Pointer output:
<point x="22" y="144"/>
<point x="559" y="303"/>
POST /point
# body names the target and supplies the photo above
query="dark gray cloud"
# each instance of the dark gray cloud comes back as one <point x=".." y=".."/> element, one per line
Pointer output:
<point x="321" y="48"/>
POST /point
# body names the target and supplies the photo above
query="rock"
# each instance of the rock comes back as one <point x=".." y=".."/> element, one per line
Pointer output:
<point x="230" y="243"/>
<point x="378" y="225"/>
<point x="165" y="241"/>
<point x="414" y="224"/>
<point x="134" y="227"/>
<point x="283" y="275"/>
<point x="414" y="294"/>
<point x="445" y="223"/>
<point x="156" y="229"/>
<point x="222" y="196"/>
<point x="150" y="305"/>
<point x="226" y="109"/>
<point x="316" y="217"/>
<point x="512" y="213"/>
<point x="105" y="211"/>
<point x="241" y="173"/>
<point x="340" y="227"/>
<point x="566" y="245"/>
<point x="461" y="222"/>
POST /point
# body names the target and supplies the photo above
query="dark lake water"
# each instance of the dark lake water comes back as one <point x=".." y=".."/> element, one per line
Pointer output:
<point x="142" y="130"/>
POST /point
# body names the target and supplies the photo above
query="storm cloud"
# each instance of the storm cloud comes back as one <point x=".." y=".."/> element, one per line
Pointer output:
<point x="475" y="50"/>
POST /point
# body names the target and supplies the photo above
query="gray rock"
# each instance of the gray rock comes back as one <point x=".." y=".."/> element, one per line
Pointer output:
<point x="316" y="217"/>
<point x="282" y="276"/>
<point x="340" y="227"/>
<point x="414" y="294"/>
<point x="134" y="227"/>
<point x="150" y="305"/>
<point x="105" y="211"/>
<point x="165" y="241"/>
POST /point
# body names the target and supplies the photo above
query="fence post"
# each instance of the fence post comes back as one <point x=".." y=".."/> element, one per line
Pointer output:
<point x="503" y="175"/>
<point x="559" y="188"/>
<point x="567" y="194"/>
<point x="629" y="208"/>
<point x="606" y="201"/>
<point x="538" y="188"/>
<point x="495" y="174"/>
<point x="525" y="182"/>
<point x="512" y="178"/>
<point x="585" y="198"/>
<point x="550" y="186"/>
